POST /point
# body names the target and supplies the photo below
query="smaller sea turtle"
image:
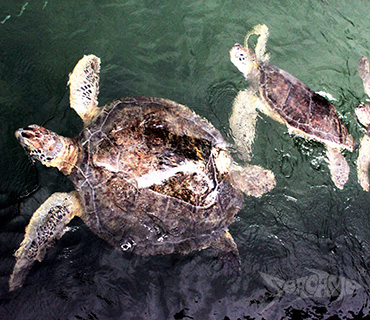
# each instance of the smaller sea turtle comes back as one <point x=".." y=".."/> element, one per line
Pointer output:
<point x="284" y="98"/>
<point x="363" y="115"/>
<point x="151" y="177"/>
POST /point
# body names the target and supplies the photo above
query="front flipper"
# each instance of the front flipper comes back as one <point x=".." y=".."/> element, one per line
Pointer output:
<point x="263" y="32"/>
<point x="84" y="88"/>
<point x="243" y="121"/>
<point x="253" y="180"/>
<point x="338" y="166"/>
<point x="228" y="254"/>
<point x="46" y="225"/>
<point x="363" y="162"/>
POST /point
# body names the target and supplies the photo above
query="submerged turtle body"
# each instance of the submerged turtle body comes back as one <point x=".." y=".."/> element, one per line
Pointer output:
<point x="151" y="179"/>
<point x="286" y="99"/>
<point x="304" y="111"/>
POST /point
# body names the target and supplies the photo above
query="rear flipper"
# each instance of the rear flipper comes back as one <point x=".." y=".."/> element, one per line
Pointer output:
<point x="363" y="162"/>
<point x="47" y="224"/>
<point x="228" y="254"/>
<point x="338" y="166"/>
<point x="253" y="180"/>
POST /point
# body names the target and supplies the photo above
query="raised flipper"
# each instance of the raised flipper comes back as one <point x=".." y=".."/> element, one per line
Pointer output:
<point x="363" y="162"/>
<point x="47" y="224"/>
<point x="338" y="166"/>
<point x="260" y="49"/>
<point x="243" y="121"/>
<point x="84" y="88"/>
<point x="252" y="180"/>
<point x="228" y="254"/>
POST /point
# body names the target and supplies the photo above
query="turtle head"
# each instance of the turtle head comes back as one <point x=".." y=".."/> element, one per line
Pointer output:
<point x="363" y="114"/>
<point x="51" y="149"/>
<point x="244" y="59"/>
<point x="40" y="143"/>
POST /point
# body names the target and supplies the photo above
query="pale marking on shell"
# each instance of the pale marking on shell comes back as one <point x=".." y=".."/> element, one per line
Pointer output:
<point x="158" y="176"/>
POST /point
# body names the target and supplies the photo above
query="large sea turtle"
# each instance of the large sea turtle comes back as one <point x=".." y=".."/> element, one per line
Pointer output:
<point x="151" y="177"/>
<point x="363" y="115"/>
<point x="284" y="98"/>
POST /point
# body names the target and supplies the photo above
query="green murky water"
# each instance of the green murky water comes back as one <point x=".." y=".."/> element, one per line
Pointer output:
<point x="310" y="239"/>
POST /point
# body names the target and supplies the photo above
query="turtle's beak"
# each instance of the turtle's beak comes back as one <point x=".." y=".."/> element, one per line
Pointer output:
<point x="20" y="133"/>
<point x="24" y="136"/>
<point x="29" y="137"/>
<point x="40" y="143"/>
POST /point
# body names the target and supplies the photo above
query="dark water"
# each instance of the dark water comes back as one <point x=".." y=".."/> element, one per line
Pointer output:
<point x="313" y="239"/>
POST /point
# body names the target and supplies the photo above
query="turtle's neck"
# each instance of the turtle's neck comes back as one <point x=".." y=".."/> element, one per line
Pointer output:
<point x="253" y="77"/>
<point x="69" y="157"/>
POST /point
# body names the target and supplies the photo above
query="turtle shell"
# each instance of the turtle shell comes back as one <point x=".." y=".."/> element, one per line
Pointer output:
<point x="303" y="110"/>
<point x="150" y="178"/>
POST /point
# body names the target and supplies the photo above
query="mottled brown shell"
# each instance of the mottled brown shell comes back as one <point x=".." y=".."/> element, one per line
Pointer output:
<point x="301" y="108"/>
<point x="136" y="140"/>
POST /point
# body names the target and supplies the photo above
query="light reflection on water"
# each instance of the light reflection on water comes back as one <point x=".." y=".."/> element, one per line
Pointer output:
<point x="180" y="51"/>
